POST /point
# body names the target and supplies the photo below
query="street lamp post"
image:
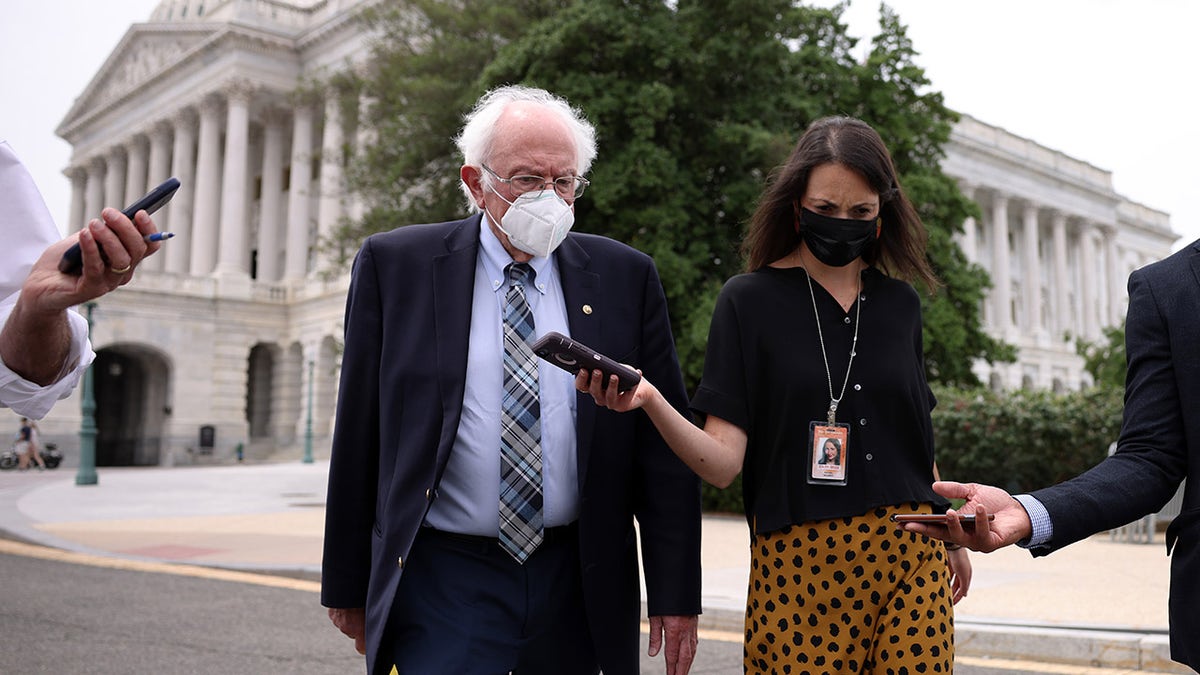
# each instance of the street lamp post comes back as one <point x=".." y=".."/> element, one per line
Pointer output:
<point x="308" y="437"/>
<point x="86" y="475"/>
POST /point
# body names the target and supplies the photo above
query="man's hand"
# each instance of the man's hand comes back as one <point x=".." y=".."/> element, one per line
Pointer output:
<point x="353" y="623"/>
<point x="36" y="340"/>
<point x="48" y="290"/>
<point x="1010" y="526"/>
<point x="681" y="641"/>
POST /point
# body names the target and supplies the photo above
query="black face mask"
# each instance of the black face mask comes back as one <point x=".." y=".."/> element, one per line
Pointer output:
<point x="837" y="242"/>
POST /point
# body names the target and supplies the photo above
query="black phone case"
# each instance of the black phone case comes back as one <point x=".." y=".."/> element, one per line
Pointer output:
<point x="72" y="260"/>
<point x="572" y="357"/>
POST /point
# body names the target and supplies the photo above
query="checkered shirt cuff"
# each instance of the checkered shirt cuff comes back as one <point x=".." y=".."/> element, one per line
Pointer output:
<point x="1043" y="529"/>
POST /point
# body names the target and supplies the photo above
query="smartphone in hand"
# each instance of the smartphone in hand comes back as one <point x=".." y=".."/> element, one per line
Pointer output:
<point x="573" y="357"/>
<point x="72" y="261"/>
<point x="967" y="520"/>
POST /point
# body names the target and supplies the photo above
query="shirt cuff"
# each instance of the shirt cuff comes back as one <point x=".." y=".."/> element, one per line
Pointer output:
<point x="1039" y="517"/>
<point x="28" y="399"/>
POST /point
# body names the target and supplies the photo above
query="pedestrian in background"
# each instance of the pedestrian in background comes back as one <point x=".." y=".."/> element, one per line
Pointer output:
<point x="27" y="446"/>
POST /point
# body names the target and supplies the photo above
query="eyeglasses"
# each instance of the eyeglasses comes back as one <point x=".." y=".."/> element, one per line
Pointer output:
<point x="565" y="186"/>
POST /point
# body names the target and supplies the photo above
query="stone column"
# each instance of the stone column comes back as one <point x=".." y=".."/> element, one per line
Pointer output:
<point x="969" y="240"/>
<point x="159" y="169"/>
<point x="1061" y="315"/>
<point x="234" y="234"/>
<point x="271" y="214"/>
<point x="299" y="186"/>
<point x="329" y="204"/>
<point x="183" y="167"/>
<point x="1116" y="278"/>
<point x="135" y="170"/>
<point x="78" y="215"/>
<point x="114" y="179"/>
<point x="1087" y="266"/>
<point x="1032" y="277"/>
<point x="1001" y="274"/>
<point x="208" y="186"/>
<point x="95" y="191"/>
<point x="364" y="138"/>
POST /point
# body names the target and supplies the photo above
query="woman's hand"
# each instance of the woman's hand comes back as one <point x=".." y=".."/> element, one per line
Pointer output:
<point x="960" y="573"/>
<point x="605" y="394"/>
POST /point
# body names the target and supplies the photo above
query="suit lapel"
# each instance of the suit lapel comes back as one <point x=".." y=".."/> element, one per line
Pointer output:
<point x="583" y="302"/>
<point x="1194" y="259"/>
<point x="454" y="272"/>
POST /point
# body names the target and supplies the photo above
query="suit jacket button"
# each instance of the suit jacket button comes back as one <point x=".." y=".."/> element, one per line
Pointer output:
<point x="400" y="562"/>
<point x="429" y="494"/>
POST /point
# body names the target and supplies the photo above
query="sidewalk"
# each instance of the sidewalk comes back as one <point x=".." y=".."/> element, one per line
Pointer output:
<point x="1098" y="603"/>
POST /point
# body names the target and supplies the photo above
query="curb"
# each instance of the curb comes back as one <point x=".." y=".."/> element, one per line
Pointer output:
<point x="999" y="647"/>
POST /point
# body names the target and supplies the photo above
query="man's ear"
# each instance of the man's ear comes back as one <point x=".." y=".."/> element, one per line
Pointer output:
<point x="472" y="177"/>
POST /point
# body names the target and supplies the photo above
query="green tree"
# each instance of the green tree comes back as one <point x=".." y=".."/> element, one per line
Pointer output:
<point x="694" y="102"/>
<point x="1105" y="359"/>
<point x="423" y="74"/>
<point x="894" y="96"/>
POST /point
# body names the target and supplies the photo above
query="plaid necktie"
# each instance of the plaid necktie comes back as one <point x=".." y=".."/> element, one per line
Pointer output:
<point x="521" y="527"/>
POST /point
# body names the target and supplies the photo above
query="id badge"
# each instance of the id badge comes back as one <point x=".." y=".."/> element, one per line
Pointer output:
<point x="828" y="453"/>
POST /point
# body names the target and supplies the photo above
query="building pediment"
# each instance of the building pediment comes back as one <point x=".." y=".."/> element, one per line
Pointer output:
<point x="147" y="51"/>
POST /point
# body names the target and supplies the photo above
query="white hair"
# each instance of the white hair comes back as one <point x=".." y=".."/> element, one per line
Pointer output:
<point x="479" y="129"/>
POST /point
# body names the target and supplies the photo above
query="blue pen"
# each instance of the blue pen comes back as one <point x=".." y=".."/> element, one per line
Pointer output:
<point x="159" y="236"/>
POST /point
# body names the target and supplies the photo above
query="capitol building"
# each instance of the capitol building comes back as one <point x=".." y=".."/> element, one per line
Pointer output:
<point x="228" y="337"/>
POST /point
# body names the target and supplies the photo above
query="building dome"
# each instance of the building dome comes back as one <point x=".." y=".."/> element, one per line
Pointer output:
<point x="213" y="10"/>
<point x="180" y="10"/>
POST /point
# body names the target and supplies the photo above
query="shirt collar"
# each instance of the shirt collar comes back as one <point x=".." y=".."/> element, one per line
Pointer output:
<point x="495" y="259"/>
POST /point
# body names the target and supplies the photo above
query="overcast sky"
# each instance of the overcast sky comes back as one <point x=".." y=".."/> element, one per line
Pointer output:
<point x="1110" y="82"/>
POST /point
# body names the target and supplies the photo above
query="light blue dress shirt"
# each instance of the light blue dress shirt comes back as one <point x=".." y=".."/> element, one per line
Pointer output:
<point x="468" y="499"/>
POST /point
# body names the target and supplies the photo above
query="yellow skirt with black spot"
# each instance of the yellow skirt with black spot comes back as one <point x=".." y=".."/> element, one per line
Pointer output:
<point x="849" y="595"/>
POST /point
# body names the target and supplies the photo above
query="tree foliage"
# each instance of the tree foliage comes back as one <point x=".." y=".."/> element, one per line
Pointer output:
<point x="695" y="102"/>
<point x="1105" y="358"/>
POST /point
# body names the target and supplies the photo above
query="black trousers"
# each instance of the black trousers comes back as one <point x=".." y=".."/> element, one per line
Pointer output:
<point x="464" y="605"/>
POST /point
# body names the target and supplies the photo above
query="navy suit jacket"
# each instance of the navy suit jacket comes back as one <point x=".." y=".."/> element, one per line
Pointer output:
<point x="404" y="366"/>
<point x="1160" y="439"/>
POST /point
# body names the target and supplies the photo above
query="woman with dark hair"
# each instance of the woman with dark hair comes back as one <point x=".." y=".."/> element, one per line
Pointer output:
<point x="821" y="337"/>
<point x="831" y="452"/>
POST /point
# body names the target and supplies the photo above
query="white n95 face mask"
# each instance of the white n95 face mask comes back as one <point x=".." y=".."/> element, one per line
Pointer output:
<point x="536" y="222"/>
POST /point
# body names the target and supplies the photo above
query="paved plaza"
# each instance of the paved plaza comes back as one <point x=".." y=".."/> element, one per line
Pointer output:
<point x="1100" y="604"/>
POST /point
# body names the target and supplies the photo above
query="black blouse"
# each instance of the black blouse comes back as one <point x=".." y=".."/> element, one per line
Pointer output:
<point x="763" y="372"/>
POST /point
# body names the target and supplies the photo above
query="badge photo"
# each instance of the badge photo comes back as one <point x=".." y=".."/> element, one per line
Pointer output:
<point x="828" y="453"/>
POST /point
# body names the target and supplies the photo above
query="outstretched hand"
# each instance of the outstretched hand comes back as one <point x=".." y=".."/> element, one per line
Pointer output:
<point x="47" y="290"/>
<point x="1010" y="526"/>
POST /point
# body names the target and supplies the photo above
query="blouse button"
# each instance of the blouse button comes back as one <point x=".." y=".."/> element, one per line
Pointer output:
<point x="846" y="320"/>
<point x="858" y="387"/>
<point x="870" y="457"/>
<point x="862" y="422"/>
<point x="863" y="297"/>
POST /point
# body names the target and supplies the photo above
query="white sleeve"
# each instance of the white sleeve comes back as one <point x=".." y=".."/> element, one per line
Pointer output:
<point x="27" y="398"/>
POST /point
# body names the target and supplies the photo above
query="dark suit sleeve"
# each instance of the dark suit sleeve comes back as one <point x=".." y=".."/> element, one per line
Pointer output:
<point x="668" y="493"/>
<point x="354" y="461"/>
<point x="1151" y="456"/>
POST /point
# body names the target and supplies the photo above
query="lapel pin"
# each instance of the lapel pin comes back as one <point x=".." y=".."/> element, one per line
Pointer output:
<point x="587" y="309"/>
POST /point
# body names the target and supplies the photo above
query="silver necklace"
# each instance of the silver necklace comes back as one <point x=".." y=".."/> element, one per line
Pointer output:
<point x="834" y="401"/>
